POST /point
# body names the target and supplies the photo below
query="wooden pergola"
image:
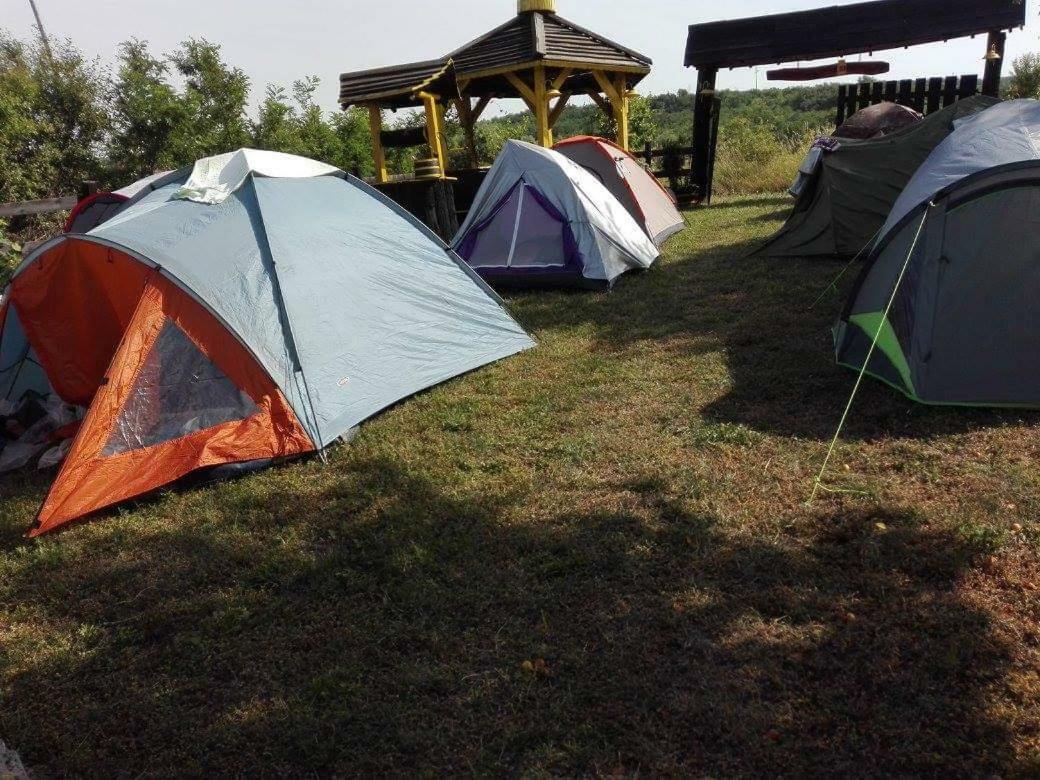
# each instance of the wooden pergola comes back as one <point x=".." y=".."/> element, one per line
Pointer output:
<point x="835" y="31"/>
<point x="537" y="56"/>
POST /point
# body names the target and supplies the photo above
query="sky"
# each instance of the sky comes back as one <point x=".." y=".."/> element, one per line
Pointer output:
<point x="275" y="41"/>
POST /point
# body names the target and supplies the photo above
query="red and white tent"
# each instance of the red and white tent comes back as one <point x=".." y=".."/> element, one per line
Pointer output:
<point x="639" y="191"/>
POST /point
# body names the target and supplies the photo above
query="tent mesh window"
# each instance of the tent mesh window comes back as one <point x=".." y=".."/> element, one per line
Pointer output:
<point x="178" y="392"/>
<point x="539" y="236"/>
<point x="520" y="233"/>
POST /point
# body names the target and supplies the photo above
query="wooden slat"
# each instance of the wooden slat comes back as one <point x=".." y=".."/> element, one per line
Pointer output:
<point x="934" y="102"/>
<point x="920" y="94"/>
<point x="924" y="95"/>
<point x="863" y="98"/>
<point x="969" y="85"/>
<point x="28" y="208"/>
<point x="877" y="93"/>
<point x="905" y="95"/>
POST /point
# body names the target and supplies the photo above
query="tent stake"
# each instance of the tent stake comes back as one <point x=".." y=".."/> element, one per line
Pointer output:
<point x="818" y="485"/>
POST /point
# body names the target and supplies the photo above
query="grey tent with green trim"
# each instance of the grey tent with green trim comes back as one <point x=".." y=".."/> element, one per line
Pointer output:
<point x="847" y="193"/>
<point x="951" y="289"/>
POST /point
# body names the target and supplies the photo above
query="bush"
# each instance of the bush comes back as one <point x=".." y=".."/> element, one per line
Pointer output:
<point x="751" y="158"/>
<point x="1025" y="78"/>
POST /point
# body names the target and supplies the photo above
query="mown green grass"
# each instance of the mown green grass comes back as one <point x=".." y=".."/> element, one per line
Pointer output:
<point x="593" y="559"/>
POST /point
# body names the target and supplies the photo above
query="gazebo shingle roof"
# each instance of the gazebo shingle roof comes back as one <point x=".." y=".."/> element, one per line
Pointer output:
<point x="527" y="38"/>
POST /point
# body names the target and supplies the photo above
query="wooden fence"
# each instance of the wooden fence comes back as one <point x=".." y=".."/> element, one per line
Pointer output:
<point x="923" y="95"/>
<point x="35" y="208"/>
<point x="676" y="167"/>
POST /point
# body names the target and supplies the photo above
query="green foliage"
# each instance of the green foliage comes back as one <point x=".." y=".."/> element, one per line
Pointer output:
<point x="1025" y="78"/>
<point x="642" y="123"/>
<point x="148" y="116"/>
<point x="53" y="119"/>
<point x="10" y="254"/>
<point x="67" y="120"/>
<point x="299" y="126"/>
<point x="215" y="98"/>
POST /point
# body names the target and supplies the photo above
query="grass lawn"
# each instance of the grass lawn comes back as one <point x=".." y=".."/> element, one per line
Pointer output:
<point x="595" y="558"/>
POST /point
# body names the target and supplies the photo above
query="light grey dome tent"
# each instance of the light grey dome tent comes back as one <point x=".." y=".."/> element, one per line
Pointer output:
<point x="847" y="193"/>
<point x="948" y="304"/>
<point x="257" y="309"/>
<point x="540" y="219"/>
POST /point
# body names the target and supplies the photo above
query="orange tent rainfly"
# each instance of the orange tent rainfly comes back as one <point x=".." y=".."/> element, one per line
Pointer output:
<point x="254" y="308"/>
<point x="645" y="198"/>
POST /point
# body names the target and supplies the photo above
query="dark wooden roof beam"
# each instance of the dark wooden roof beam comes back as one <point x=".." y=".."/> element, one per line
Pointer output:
<point x="846" y="30"/>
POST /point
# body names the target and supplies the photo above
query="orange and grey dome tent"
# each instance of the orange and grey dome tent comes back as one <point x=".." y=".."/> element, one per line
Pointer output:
<point x="643" y="196"/>
<point x="259" y="308"/>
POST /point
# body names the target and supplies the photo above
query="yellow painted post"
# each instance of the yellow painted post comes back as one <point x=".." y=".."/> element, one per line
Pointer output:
<point x="621" y="112"/>
<point x="433" y="130"/>
<point x="375" y="127"/>
<point x="442" y="138"/>
<point x="541" y="104"/>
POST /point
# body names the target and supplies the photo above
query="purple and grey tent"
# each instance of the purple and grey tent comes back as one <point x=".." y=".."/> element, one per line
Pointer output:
<point x="540" y="219"/>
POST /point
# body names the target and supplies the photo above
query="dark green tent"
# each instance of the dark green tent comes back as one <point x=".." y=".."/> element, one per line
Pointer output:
<point x="947" y="305"/>
<point x="846" y="200"/>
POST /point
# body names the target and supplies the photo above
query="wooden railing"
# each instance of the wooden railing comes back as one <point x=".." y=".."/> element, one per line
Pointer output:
<point x="676" y="168"/>
<point x="35" y="208"/>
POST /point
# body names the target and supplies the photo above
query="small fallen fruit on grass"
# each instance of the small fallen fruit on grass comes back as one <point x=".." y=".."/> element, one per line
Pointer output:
<point x="773" y="735"/>
<point x="537" y="666"/>
<point x="1016" y="527"/>
<point x="880" y="527"/>
<point x="849" y="617"/>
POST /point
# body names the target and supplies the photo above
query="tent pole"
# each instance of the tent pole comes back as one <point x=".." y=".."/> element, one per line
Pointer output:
<point x="818" y="485"/>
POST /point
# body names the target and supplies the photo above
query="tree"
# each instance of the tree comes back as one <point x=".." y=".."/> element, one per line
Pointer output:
<point x="215" y="98"/>
<point x="73" y="106"/>
<point x="27" y="160"/>
<point x="148" y="117"/>
<point x="355" y="141"/>
<point x="53" y="119"/>
<point x="1025" y="78"/>
<point x="299" y="126"/>
<point x="642" y="126"/>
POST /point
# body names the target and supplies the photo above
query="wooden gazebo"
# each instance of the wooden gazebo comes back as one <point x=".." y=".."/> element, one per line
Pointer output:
<point x="537" y="56"/>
